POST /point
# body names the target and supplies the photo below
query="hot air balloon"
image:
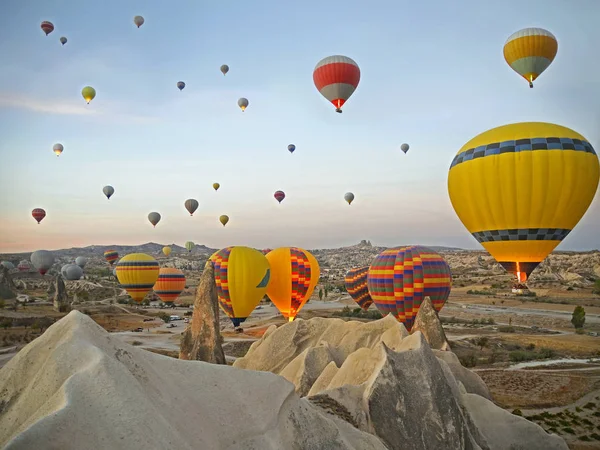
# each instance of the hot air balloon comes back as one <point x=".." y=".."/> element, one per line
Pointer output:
<point x="279" y="196"/>
<point x="108" y="191"/>
<point x="349" y="197"/>
<point x="291" y="148"/>
<point x="57" y="149"/>
<point x="356" y="285"/>
<point x="47" y="27"/>
<point x="530" y="51"/>
<point x="170" y="283"/>
<point x="111" y="256"/>
<point x="191" y="205"/>
<point x="189" y="245"/>
<point x="154" y="218"/>
<point x="24" y="266"/>
<point x="404" y="148"/>
<point x="400" y="278"/>
<point x="166" y="251"/>
<point x="63" y="270"/>
<point x="216" y="186"/>
<point x="243" y="103"/>
<point x="264" y="251"/>
<point x="42" y="260"/>
<point x="224" y="69"/>
<point x="8" y="265"/>
<point x="242" y="276"/>
<point x="294" y="275"/>
<point x="137" y="273"/>
<point x="73" y="272"/>
<point x="336" y="77"/>
<point x="38" y="214"/>
<point x="224" y="219"/>
<point x="521" y="188"/>
<point x="138" y="20"/>
<point x="88" y="94"/>
<point x="63" y="40"/>
<point x="81" y="261"/>
<point x="180" y="85"/>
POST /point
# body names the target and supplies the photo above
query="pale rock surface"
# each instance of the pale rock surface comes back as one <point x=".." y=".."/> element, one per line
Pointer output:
<point x="428" y="323"/>
<point x="471" y="381"/>
<point x="61" y="300"/>
<point x="77" y="387"/>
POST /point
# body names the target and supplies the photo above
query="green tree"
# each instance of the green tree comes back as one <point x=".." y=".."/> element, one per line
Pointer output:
<point x="321" y="294"/>
<point x="2" y="304"/>
<point x="578" y="318"/>
<point x="596" y="289"/>
<point x="6" y="323"/>
<point x="482" y="342"/>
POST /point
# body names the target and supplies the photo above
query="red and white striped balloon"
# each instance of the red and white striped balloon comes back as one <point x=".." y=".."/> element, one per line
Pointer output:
<point x="38" y="214"/>
<point x="47" y="27"/>
<point x="336" y="77"/>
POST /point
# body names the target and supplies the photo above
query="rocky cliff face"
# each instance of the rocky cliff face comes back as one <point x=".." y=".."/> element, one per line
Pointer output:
<point x="61" y="300"/>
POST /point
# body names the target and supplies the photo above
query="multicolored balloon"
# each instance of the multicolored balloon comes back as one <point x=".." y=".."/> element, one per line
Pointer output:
<point x="154" y="218"/>
<point x="243" y="103"/>
<point x="336" y="77"/>
<point x="108" y="191"/>
<point x="349" y="197"/>
<point x="42" y="260"/>
<point x="356" y="285"/>
<point x="38" y="214"/>
<point x="191" y="205"/>
<point x="24" y="266"/>
<point x="180" y="85"/>
<point x="57" y="149"/>
<point x="242" y="275"/>
<point x="170" y="284"/>
<point x="189" y="245"/>
<point x="530" y="51"/>
<point x="224" y="219"/>
<point x="88" y="93"/>
<point x="166" y="251"/>
<point x="138" y="20"/>
<point x="279" y="196"/>
<point x="291" y="148"/>
<point x="224" y="69"/>
<point x="63" y="40"/>
<point x="216" y="186"/>
<point x="400" y="278"/>
<point x="111" y="256"/>
<point x="47" y="27"/>
<point x="404" y="148"/>
<point x="294" y="275"/>
<point x="520" y="189"/>
<point x="137" y="273"/>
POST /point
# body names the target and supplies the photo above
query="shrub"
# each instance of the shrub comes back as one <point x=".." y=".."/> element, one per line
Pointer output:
<point x="568" y="430"/>
<point x="469" y="360"/>
<point x="578" y="318"/>
<point x="517" y="412"/>
<point x="589" y="405"/>
<point x="521" y="355"/>
<point x="506" y="329"/>
<point x="530" y="347"/>
<point x="596" y="435"/>
<point x="545" y="353"/>
<point x="584" y="438"/>
<point x="137" y="343"/>
<point x="6" y="323"/>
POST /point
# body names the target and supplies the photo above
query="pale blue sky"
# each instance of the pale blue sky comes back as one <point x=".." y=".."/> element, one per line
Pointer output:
<point x="432" y="75"/>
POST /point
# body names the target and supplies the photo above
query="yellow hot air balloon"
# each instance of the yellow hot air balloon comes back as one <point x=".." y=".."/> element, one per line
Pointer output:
<point x="530" y="51"/>
<point x="88" y="94"/>
<point x="294" y="275"/>
<point x="242" y="276"/>
<point x="224" y="219"/>
<point x="166" y="251"/>
<point x="137" y="273"/>
<point x="216" y="186"/>
<point x="521" y="188"/>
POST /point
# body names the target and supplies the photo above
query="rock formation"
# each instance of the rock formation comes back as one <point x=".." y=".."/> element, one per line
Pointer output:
<point x="61" y="299"/>
<point x="7" y="281"/>
<point x="79" y="387"/>
<point x="428" y="323"/>
<point x="384" y="382"/>
<point x="202" y="339"/>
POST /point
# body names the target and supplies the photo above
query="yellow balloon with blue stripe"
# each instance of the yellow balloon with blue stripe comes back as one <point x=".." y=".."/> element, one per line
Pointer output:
<point x="520" y="189"/>
<point x="137" y="273"/>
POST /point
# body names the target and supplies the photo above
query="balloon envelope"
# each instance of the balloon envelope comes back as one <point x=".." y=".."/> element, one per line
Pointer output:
<point x="154" y="218"/>
<point x="108" y="191"/>
<point x="279" y="196"/>
<point x="166" y="251"/>
<point x="216" y="186"/>
<point x="336" y="78"/>
<point x="400" y="278"/>
<point x="294" y="275"/>
<point x="349" y="197"/>
<point x="530" y="51"/>
<point x="111" y="256"/>
<point x="243" y="103"/>
<point x="24" y="266"/>
<point x="242" y="275"/>
<point x="42" y="260"/>
<point x="47" y="27"/>
<point x="170" y="284"/>
<point x="224" y="69"/>
<point x="63" y="40"/>
<point x="38" y="214"/>
<point x="191" y="205"/>
<point x="291" y="148"/>
<point x="224" y="219"/>
<point x="88" y="93"/>
<point x="189" y="245"/>
<point x="138" y="20"/>
<point x="81" y="261"/>
<point x="57" y="149"/>
<point x="73" y="272"/>
<point x="180" y="85"/>
<point x="137" y="274"/>
<point x="404" y="147"/>
<point x="521" y="188"/>
<point x="7" y="264"/>
<point x="356" y="285"/>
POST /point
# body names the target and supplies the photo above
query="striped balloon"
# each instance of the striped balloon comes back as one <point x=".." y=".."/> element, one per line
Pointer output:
<point x="191" y="205"/>
<point x="111" y="256"/>
<point x="356" y="285"/>
<point x="530" y="51"/>
<point x="38" y="214"/>
<point x="400" y="278"/>
<point x="170" y="283"/>
<point x="137" y="273"/>
<point x="47" y="27"/>
<point x="336" y="77"/>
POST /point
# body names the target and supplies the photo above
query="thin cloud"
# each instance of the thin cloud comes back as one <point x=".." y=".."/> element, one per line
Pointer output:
<point x="61" y="107"/>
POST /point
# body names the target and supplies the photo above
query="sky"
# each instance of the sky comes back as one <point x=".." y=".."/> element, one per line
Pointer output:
<point x="432" y="75"/>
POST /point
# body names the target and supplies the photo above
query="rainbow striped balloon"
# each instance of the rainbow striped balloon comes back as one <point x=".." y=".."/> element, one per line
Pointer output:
<point x="356" y="285"/>
<point x="111" y="256"/>
<point x="137" y="273"/>
<point x="400" y="278"/>
<point x="170" y="284"/>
